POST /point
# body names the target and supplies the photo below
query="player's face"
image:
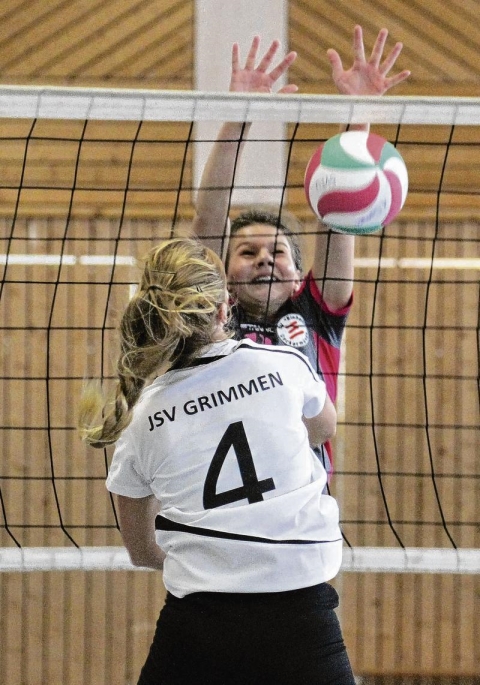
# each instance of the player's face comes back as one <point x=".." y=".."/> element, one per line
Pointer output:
<point x="261" y="270"/>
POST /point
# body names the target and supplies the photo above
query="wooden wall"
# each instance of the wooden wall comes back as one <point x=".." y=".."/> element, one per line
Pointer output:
<point x="114" y="169"/>
<point x="412" y="419"/>
<point x="57" y="323"/>
<point x="77" y="628"/>
<point x="149" y="43"/>
<point x="411" y="366"/>
<point x="58" y="329"/>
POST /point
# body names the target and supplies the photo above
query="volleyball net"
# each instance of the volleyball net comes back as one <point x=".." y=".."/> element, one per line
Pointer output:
<point x="90" y="179"/>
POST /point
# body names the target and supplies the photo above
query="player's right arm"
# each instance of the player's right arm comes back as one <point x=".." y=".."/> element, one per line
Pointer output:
<point x="137" y="526"/>
<point x="213" y="199"/>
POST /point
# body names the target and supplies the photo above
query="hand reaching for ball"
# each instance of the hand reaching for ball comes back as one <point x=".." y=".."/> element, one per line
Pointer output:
<point x="367" y="77"/>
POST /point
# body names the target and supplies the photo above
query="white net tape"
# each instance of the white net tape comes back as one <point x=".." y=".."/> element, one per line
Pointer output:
<point x="149" y="105"/>
<point x="357" y="559"/>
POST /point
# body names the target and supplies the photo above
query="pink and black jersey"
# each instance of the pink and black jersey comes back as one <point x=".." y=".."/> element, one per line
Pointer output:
<point x="305" y="323"/>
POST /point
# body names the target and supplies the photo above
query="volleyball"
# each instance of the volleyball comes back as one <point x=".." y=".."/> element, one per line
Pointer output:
<point x="356" y="182"/>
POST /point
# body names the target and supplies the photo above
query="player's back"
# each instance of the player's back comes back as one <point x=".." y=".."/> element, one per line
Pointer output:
<point x="208" y="429"/>
<point x="223" y="447"/>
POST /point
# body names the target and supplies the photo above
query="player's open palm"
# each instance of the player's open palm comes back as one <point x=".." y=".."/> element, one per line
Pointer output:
<point x="367" y="77"/>
<point x="261" y="78"/>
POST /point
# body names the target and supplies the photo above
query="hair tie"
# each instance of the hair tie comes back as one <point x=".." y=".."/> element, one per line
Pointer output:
<point x="168" y="282"/>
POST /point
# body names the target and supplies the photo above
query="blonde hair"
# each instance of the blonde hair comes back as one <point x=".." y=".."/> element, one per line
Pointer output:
<point x="172" y="316"/>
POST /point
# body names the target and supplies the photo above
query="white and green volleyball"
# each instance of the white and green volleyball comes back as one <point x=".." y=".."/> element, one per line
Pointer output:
<point x="356" y="182"/>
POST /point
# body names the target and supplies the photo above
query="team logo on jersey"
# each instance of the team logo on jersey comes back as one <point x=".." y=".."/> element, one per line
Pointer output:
<point x="292" y="330"/>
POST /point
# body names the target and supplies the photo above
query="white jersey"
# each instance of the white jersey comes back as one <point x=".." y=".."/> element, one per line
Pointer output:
<point x="223" y="447"/>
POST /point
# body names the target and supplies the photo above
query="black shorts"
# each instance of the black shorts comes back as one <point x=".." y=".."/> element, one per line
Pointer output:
<point x="279" y="638"/>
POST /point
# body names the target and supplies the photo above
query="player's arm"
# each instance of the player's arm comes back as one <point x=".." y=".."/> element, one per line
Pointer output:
<point x="137" y="526"/>
<point x="213" y="199"/>
<point x="322" y="427"/>
<point x="334" y="252"/>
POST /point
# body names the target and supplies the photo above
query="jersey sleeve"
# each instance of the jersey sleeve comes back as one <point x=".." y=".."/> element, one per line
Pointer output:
<point x="314" y="388"/>
<point x="327" y="324"/>
<point x="124" y="477"/>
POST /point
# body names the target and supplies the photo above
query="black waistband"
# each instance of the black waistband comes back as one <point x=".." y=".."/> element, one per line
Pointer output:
<point x="321" y="596"/>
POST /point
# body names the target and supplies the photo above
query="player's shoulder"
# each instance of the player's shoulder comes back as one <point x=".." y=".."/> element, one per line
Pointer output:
<point x="284" y="352"/>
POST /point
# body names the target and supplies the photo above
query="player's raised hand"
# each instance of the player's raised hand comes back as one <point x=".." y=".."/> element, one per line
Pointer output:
<point x="261" y="78"/>
<point x="367" y="77"/>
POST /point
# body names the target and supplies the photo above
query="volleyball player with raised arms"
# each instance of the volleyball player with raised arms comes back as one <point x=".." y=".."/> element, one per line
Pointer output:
<point x="217" y="484"/>
<point x="274" y="302"/>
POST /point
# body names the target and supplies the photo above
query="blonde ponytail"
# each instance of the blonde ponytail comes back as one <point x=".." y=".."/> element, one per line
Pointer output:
<point x="172" y="316"/>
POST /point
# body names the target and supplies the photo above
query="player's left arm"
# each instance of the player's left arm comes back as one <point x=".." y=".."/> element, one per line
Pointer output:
<point x="137" y="526"/>
<point x="334" y="252"/>
<point x="322" y="427"/>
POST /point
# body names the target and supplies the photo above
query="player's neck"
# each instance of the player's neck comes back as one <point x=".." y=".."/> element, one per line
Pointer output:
<point x="260" y="313"/>
<point x="219" y="334"/>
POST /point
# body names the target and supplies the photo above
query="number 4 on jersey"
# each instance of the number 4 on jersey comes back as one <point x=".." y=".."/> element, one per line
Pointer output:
<point x="252" y="488"/>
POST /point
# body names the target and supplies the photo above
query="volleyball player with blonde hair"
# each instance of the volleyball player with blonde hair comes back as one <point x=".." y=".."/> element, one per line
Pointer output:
<point x="217" y="484"/>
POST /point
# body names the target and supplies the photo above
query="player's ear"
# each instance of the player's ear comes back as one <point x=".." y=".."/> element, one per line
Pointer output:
<point x="223" y="310"/>
<point x="297" y="283"/>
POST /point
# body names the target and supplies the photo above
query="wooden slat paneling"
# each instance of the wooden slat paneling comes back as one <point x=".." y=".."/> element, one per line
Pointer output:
<point x="55" y="168"/>
<point x="99" y="43"/>
<point x="93" y="628"/>
<point x="439" y="46"/>
<point x="393" y="624"/>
